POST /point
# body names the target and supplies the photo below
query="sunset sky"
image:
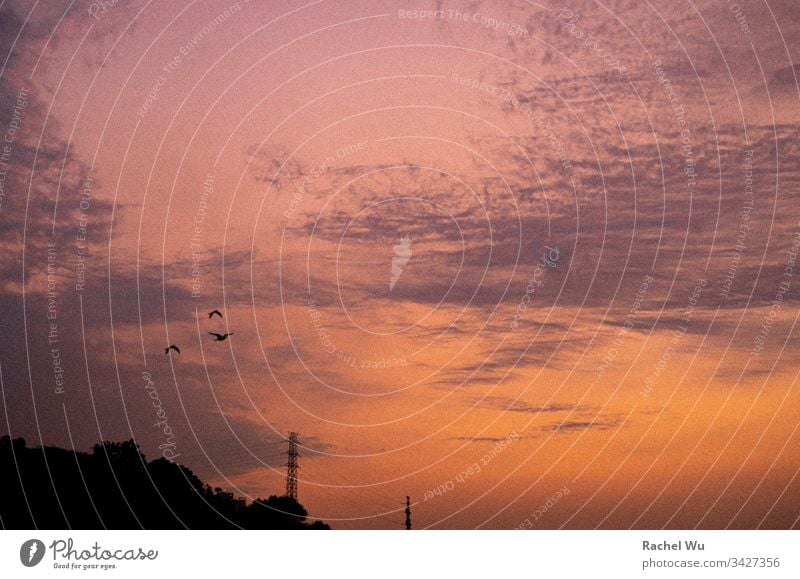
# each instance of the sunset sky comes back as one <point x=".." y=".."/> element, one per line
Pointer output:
<point x="593" y="317"/>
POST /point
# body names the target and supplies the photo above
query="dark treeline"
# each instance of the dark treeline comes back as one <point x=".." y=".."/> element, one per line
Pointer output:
<point x="114" y="487"/>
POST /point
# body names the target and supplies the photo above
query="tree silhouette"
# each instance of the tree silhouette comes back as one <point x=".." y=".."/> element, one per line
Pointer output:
<point x="115" y="487"/>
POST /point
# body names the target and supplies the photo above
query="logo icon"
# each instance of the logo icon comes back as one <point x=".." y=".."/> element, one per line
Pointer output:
<point x="402" y="252"/>
<point x="553" y="255"/>
<point x="31" y="552"/>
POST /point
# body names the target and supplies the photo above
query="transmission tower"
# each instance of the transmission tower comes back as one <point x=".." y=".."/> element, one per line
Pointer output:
<point x="408" y="513"/>
<point x="291" y="467"/>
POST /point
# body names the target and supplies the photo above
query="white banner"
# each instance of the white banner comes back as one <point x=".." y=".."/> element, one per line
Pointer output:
<point x="416" y="554"/>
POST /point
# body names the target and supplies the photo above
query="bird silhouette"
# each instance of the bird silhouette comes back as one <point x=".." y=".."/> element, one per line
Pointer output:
<point x="172" y="347"/>
<point x="211" y="314"/>
<point x="220" y="337"/>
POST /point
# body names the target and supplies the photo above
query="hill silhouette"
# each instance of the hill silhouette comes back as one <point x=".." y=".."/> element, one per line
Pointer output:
<point x="115" y="487"/>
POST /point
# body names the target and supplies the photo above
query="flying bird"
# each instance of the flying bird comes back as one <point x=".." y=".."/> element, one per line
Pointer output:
<point x="172" y="347"/>
<point x="220" y="337"/>
<point x="211" y="314"/>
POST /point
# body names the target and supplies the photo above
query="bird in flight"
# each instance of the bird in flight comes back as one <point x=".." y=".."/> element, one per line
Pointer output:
<point x="212" y="314"/>
<point x="172" y="347"/>
<point x="221" y="337"/>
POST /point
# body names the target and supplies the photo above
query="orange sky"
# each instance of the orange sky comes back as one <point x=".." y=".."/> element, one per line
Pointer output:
<point x="285" y="150"/>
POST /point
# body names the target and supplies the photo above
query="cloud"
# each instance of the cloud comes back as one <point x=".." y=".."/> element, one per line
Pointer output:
<point x="480" y="439"/>
<point x="511" y="405"/>
<point x="572" y="426"/>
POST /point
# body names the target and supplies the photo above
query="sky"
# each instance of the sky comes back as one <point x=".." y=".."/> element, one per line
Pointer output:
<point x="533" y="265"/>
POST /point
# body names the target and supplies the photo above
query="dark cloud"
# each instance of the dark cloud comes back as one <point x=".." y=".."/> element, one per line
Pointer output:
<point x="480" y="439"/>
<point x="511" y="405"/>
<point x="572" y="426"/>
